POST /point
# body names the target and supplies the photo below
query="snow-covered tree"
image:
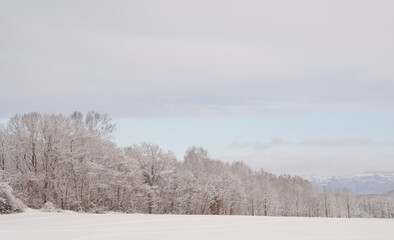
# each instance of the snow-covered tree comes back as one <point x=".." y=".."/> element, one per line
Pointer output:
<point x="157" y="168"/>
<point x="71" y="162"/>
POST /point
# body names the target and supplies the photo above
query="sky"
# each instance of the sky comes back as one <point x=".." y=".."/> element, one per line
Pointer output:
<point x="298" y="87"/>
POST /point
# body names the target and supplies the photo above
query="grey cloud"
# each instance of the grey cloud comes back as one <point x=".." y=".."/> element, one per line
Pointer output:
<point x="315" y="163"/>
<point x="312" y="142"/>
<point x="205" y="57"/>
<point x="324" y="142"/>
<point x="256" y="145"/>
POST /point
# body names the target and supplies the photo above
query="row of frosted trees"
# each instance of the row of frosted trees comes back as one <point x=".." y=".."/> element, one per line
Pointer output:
<point x="72" y="162"/>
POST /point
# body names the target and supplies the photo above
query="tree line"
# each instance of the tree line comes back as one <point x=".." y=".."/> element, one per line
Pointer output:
<point x="72" y="162"/>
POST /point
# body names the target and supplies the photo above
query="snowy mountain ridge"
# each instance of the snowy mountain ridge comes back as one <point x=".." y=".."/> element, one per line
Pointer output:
<point x="364" y="183"/>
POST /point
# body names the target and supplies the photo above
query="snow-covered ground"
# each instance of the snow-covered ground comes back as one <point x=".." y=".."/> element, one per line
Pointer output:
<point x="34" y="224"/>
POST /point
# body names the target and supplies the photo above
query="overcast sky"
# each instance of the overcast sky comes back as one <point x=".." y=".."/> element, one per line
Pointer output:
<point x="301" y="87"/>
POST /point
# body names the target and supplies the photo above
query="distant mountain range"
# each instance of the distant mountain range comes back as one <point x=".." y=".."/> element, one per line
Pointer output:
<point x="366" y="183"/>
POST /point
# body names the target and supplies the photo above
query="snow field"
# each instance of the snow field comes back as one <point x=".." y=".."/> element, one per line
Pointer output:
<point x="34" y="224"/>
